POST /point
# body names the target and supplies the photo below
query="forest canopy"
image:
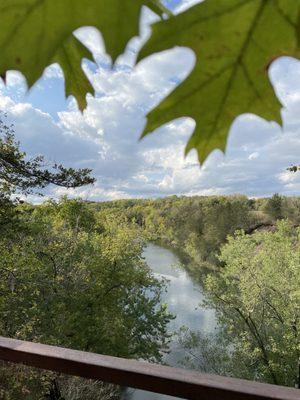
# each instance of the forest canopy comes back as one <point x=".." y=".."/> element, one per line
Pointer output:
<point x="72" y="274"/>
<point x="76" y="278"/>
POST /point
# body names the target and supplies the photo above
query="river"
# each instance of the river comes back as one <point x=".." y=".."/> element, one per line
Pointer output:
<point x="183" y="297"/>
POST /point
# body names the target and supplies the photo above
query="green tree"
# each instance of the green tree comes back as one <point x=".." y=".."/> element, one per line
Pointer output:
<point x="194" y="226"/>
<point x="18" y="174"/>
<point x="65" y="282"/>
<point x="22" y="176"/>
<point x="274" y="207"/>
<point x="257" y="299"/>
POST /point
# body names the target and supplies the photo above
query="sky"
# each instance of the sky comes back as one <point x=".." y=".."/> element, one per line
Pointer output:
<point x="105" y="137"/>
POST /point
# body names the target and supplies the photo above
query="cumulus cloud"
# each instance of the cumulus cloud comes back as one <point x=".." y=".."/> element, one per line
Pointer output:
<point x="106" y="136"/>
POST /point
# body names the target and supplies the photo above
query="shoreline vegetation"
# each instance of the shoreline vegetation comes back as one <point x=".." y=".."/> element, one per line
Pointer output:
<point x="245" y="253"/>
<point x="196" y="227"/>
<point x="72" y="274"/>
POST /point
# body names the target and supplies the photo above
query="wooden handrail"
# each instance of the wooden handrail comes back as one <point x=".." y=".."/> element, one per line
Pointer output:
<point x="141" y="375"/>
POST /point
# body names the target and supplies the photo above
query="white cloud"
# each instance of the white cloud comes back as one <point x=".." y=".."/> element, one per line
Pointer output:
<point x="15" y="79"/>
<point x="53" y="71"/>
<point x="253" y="156"/>
<point x="185" y="4"/>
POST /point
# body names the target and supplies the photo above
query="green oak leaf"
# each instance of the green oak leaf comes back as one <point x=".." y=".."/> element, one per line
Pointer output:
<point x="33" y="33"/>
<point x="235" y="42"/>
<point x="69" y="57"/>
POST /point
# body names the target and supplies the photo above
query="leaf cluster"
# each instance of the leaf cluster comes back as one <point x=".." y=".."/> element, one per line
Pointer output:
<point x="234" y="42"/>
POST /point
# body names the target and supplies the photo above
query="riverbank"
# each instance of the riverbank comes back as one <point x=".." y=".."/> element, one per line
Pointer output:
<point x="197" y="271"/>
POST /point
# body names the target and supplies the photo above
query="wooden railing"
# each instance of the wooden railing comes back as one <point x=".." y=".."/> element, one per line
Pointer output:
<point x="141" y="375"/>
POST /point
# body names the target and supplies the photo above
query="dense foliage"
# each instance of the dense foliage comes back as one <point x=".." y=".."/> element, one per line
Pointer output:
<point x="196" y="227"/>
<point x="193" y="226"/>
<point x="257" y="298"/>
<point x="72" y="274"/>
<point x="78" y="280"/>
<point x="251" y="277"/>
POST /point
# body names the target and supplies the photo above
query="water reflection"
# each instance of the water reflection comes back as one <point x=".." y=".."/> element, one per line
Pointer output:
<point x="183" y="298"/>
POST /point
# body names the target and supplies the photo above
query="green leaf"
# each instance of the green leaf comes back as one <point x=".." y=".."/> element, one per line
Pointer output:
<point x="33" y="33"/>
<point x="235" y="42"/>
<point x="69" y="57"/>
<point x="158" y="7"/>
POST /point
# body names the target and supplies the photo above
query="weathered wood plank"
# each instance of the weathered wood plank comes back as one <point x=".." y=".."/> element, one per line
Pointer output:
<point x="155" y="378"/>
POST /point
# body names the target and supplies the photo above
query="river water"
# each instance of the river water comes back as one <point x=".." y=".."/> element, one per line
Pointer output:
<point x="184" y="298"/>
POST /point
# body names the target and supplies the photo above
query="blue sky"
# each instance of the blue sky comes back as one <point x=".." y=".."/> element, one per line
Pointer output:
<point x="105" y="136"/>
